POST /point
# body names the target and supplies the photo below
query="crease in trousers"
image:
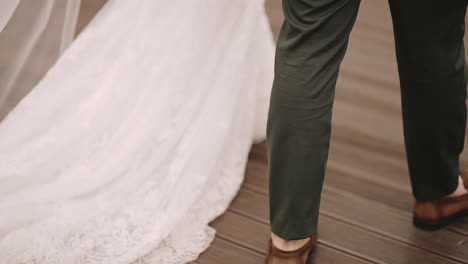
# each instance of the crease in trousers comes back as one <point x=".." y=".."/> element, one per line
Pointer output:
<point x="433" y="76"/>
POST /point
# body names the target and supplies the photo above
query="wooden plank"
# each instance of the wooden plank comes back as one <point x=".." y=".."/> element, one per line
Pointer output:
<point x="254" y="235"/>
<point x="393" y="223"/>
<point x="367" y="221"/>
<point x="371" y="245"/>
<point x="225" y="252"/>
<point x="372" y="191"/>
<point x="373" y="169"/>
<point x="356" y="168"/>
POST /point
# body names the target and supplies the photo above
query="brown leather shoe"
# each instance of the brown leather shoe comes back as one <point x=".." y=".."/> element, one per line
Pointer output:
<point x="299" y="256"/>
<point x="439" y="213"/>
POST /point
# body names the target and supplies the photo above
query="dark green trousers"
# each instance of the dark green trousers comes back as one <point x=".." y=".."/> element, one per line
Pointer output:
<point x="433" y="77"/>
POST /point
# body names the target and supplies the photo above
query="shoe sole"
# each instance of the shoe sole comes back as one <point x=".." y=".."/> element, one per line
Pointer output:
<point x="309" y="256"/>
<point x="436" y="225"/>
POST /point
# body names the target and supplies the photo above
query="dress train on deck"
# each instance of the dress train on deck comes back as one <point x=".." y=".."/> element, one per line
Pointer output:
<point x="138" y="136"/>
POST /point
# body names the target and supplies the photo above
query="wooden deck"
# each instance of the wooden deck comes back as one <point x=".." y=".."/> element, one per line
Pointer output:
<point x="366" y="203"/>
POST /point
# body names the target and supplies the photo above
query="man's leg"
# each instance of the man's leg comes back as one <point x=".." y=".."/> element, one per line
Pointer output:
<point x="433" y="77"/>
<point x="310" y="48"/>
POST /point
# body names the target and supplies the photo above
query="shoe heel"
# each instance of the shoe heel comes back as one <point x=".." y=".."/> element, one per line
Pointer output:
<point x="428" y="225"/>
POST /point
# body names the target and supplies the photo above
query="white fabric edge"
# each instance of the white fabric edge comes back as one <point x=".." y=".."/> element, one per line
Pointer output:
<point x="7" y="8"/>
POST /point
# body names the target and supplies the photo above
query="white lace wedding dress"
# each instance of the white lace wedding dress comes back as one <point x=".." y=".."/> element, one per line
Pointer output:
<point x="138" y="136"/>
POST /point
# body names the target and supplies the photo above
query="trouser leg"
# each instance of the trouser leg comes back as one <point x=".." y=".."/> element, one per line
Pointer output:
<point x="433" y="75"/>
<point x="310" y="48"/>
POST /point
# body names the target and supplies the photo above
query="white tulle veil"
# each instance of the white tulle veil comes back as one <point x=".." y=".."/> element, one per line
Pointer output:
<point x="7" y="7"/>
<point x="33" y="34"/>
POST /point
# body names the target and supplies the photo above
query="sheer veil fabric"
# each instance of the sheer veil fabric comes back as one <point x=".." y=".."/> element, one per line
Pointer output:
<point x="138" y="136"/>
<point x="34" y="35"/>
<point x="7" y="7"/>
